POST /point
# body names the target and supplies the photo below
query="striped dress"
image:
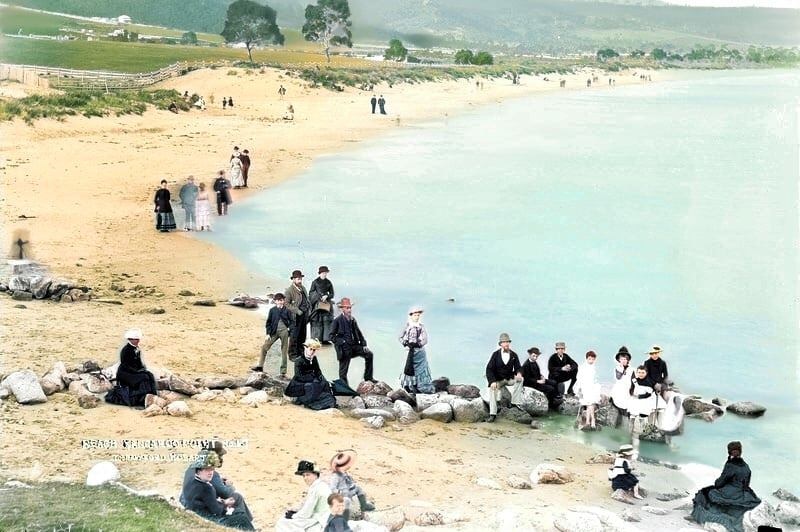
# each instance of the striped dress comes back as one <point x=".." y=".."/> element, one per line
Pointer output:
<point x="421" y="380"/>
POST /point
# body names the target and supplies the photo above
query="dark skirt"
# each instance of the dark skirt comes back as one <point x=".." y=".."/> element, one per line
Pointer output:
<point x="132" y="387"/>
<point x="625" y="481"/>
<point x="729" y="516"/>
<point x="165" y="221"/>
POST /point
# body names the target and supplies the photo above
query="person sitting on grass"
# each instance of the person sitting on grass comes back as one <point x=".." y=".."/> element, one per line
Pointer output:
<point x="620" y="473"/>
<point x="202" y="498"/>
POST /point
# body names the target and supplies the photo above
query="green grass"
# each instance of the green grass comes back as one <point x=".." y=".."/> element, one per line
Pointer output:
<point x="55" y="506"/>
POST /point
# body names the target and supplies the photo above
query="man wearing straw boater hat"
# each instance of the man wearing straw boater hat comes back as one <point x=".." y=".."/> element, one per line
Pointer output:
<point x="349" y="341"/>
<point x="341" y="482"/>
<point x="657" y="373"/>
<point x="298" y="304"/>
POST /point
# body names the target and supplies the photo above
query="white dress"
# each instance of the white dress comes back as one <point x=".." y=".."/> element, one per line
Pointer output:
<point x="621" y="390"/>
<point x="586" y="386"/>
<point x="203" y="210"/>
<point x="641" y="406"/>
<point x="236" y="172"/>
<point x="313" y="514"/>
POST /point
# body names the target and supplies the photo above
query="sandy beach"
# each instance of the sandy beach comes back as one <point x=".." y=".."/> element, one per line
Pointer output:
<point x="86" y="186"/>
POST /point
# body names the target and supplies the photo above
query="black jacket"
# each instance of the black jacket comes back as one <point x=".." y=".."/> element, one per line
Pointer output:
<point x="554" y="365"/>
<point x="320" y="287"/>
<point x="656" y="370"/>
<point x="130" y="359"/>
<point x="346" y="333"/>
<point x="201" y="498"/>
<point x="305" y="370"/>
<point x="497" y="371"/>
<point x="531" y="374"/>
<point x="275" y="315"/>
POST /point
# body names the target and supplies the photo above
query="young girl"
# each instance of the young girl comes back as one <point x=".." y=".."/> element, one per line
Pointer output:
<point x="588" y="391"/>
<point x="620" y="474"/>
<point x="203" y="209"/>
<point x="640" y="405"/>
<point x="620" y="391"/>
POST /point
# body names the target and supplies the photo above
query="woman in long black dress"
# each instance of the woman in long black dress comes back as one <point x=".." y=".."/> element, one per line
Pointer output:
<point x="730" y="497"/>
<point x="165" y="220"/>
<point x="134" y="382"/>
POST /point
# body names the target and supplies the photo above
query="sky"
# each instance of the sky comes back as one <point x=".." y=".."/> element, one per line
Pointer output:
<point x="738" y="3"/>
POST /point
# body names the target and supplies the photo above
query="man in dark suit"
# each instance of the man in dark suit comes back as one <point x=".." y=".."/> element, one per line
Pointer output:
<point x="562" y="368"/>
<point x="503" y="369"/>
<point x="349" y="341"/>
<point x="373" y="102"/>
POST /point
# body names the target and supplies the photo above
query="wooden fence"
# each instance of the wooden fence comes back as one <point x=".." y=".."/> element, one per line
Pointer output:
<point x="65" y="78"/>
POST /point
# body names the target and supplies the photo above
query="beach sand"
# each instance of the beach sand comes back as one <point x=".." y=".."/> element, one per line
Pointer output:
<point x="87" y="187"/>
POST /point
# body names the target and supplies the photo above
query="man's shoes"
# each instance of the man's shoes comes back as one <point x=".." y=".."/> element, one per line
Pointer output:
<point x="570" y="393"/>
<point x="257" y="368"/>
<point x="373" y="381"/>
<point x="492" y="418"/>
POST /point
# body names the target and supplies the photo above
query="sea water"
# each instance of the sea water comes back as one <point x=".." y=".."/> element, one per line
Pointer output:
<point x="664" y="213"/>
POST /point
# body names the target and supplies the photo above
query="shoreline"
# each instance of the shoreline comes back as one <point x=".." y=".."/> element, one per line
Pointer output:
<point x="91" y="226"/>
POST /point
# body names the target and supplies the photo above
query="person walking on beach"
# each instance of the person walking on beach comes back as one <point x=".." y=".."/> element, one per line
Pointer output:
<point x="165" y="220"/>
<point x="321" y="297"/>
<point x="222" y="188"/>
<point x="532" y="378"/>
<point x="230" y="102"/>
<point x="203" y="208"/>
<point x="373" y="102"/>
<point x="349" y="341"/>
<point x="503" y="369"/>
<point x="236" y="168"/>
<point x="245" y="158"/>
<point x="281" y="92"/>
<point x="188" y="195"/>
<point x="416" y="376"/>
<point x="224" y="103"/>
<point x="561" y="368"/>
<point x="298" y="304"/>
<point x="279" y="322"/>
<point x="382" y="105"/>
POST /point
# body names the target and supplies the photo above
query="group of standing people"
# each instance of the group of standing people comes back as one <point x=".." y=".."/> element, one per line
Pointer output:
<point x="380" y="102"/>
<point x="239" y="167"/>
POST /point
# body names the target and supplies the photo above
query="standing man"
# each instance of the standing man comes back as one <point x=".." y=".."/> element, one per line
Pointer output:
<point x="221" y="187"/>
<point x="503" y="369"/>
<point x="245" y="158"/>
<point x="349" y="341"/>
<point x="188" y="195"/>
<point x="562" y="368"/>
<point x="321" y="297"/>
<point x="381" y="104"/>
<point x="281" y="92"/>
<point x="279" y="322"/>
<point x="373" y="101"/>
<point x="298" y="304"/>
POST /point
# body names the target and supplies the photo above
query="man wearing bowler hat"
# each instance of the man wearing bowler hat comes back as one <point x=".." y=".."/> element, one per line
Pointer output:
<point x="562" y="368"/>
<point x="321" y="297"/>
<point x="349" y="341"/>
<point x="298" y="304"/>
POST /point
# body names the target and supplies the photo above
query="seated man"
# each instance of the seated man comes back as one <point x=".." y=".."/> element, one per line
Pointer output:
<point x="349" y="341"/>
<point x="202" y="499"/>
<point x="222" y="486"/>
<point x="503" y="369"/>
<point x="532" y="378"/>
<point x="561" y="368"/>
<point x="657" y="374"/>
<point x="312" y="515"/>
<point x="309" y="386"/>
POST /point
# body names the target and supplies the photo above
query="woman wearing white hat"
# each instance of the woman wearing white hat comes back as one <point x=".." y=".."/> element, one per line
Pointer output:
<point x="416" y="376"/>
<point x="134" y="382"/>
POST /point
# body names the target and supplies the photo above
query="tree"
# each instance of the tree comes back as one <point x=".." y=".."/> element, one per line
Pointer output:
<point x="464" y="57"/>
<point x="189" y="37"/>
<point x="483" y="58"/>
<point x="252" y="24"/>
<point x="328" y="23"/>
<point x="658" y="54"/>
<point x="606" y="53"/>
<point x="396" y="51"/>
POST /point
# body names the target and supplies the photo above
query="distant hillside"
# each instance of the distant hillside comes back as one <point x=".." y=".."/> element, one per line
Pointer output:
<point x="550" y="26"/>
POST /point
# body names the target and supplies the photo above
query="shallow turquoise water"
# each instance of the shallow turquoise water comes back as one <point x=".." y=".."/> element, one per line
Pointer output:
<point x="664" y="213"/>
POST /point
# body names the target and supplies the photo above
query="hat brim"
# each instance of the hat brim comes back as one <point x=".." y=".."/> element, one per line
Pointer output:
<point x="351" y="460"/>
<point x="300" y="473"/>
<point x="619" y="355"/>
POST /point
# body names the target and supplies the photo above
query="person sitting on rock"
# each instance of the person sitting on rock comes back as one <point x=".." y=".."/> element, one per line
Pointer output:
<point x="134" y="382"/>
<point x="640" y="405"/>
<point x="588" y="391"/>
<point x="561" y="368"/>
<point x="657" y="374"/>
<point x="620" y="391"/>
<point x="201" y="497"/>
<point x="341" y="482"/>
<point x="503" y="369"/>
<point x="337" y="521"/>
<point x="730" y="497"/>
<point x="532" y="378"/>
<point x="621" y="475"/>
<point x="309" y="386"/>
<point x="312" y="513"/>
<point x="222" y="486"/>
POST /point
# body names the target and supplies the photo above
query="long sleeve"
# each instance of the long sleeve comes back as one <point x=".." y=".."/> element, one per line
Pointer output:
<point x="292" y="301"/>
<point x="314" y="293"/>
<point x="129" y="359"/>
<point x="335" y="333"/>
<point x="491" y="375"/>
<point x="220" y="488"/>
<point x="726" y="476"/>
<point x="316" y="491"/>
<point x="515" y="361"/>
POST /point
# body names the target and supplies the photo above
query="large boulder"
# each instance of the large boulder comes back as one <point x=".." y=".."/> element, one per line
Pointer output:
<point x="348" y="403"/>
<point x="372" y="412"/>
<point x="425" y="400"/>
<point x="53" y="380"/>
<point x="788" y="513"/>
<point x="381" y="388"/>
<point x="785" y="495"/>
<point x="746" y="408"/>
<point x="402" y="395"/>
<point x="577" y="522"/>
<point x="651" y="433"/>
<point x="623" y="497"/>
<point x="255" y="398"/>
<point x="469" y="411"/>
<point x="177" y="384"/>
<point x="551" y="474"/>
<point x="377" y="401"/>
<point x="178" y="409"/>
<point x="607" y="414"/>
<point x="374" y="422"/>
<point x="465" y="391"/>
<point x="365" y="387"/>
<point x="392" y="518"/>
<point x="102" y="473"/>
<point x="516" y="415"/>
<point x="404" y="413"/>
<point x="25" y="387"/>
<point x="219" y="382"/>
<point x="86" y="399"/>
<point x="570" y="406"/>
<point x="40" y="286"/>
<point x="444" y="397"/>
<point x="438" y="412"/>
<point x="96" y="382"/>
<point x="441" y="384"/>
<point x="692" y="405"/>
<point x="534" y="402"/>
<point x="763" y="514"/>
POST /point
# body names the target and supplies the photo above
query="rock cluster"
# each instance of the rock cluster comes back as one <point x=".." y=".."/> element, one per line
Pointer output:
<point x="28" y="280"/>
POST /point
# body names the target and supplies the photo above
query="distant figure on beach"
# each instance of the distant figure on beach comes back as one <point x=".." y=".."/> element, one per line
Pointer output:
<point x="562" y="83"/>
<point x="620" y="391"/>
<point x="289" y="114"/>
<point x="532" y="378"/>
<point x="279" y="322"/>
<point x="222" y="187"/>
<point x="312" y="514"/>
<point x="342" y="483"/>
<point x="416" y="376"/>
<point x="373" y="102"/>
<point x="200" y="103"/>
<point x="173" y="108"/>
<point x="349" y="341"/>
<point x="321" y="297"/>
<point x="224" y="103"/>
<point x="188" y="196"/>
<point x="621" y="475"/>
<point x="281" y="92"/>
<point x="203" y="209"/>
<point x="133" y="380"/>
<point x="588" y="82"/>
<point x="230" y="101"/>
<point x="382" y="104"/>
<point x="730" y="497"/>
<point x="165" y="220"/>
<point x="609" y="82"/>
<point x="503" y="369"/>
<point x="657" y="373"/>
<point x="298" y="304"/>
<point x="309" y="386"/>
<point x="245" y="158"/>
<point x="185" y="95"/>
<point x="201" y="498"/>
<point x="561" y="368"/>
<point x="236" y="170"/>
<point x="588" y="390"/>
<point x="223" y="487"/>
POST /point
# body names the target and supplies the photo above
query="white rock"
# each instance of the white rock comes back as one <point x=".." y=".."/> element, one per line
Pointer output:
<point x="468" y="411"/>
<point x="391" y="518"/>
<point x="488" y="483"/>
<point x="607" y="518"/>
<point x="96" y="383"/>
<point x="655" y="510"/>
<point x="551" y="474"/>
<point x="404" y="413"/>
<point x="53" y="381"/>
<point x="788" y="512"/>
<point x="426" y="400"/>
<point x="329" y="412"/>
<point x="102" y="473"/>
<point x="518" y="483"/>
<point x="439" y="412"/>
<point x="25" y="387"/>
<point x="252" y="399"/>
<point x="208" y="395"/>
<point x="179" y="409"/>
<point x="372" y="412"/>
<point x="374" y="422"/>
<point x="577" y="522"/>
<point x="763" y="514"/>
